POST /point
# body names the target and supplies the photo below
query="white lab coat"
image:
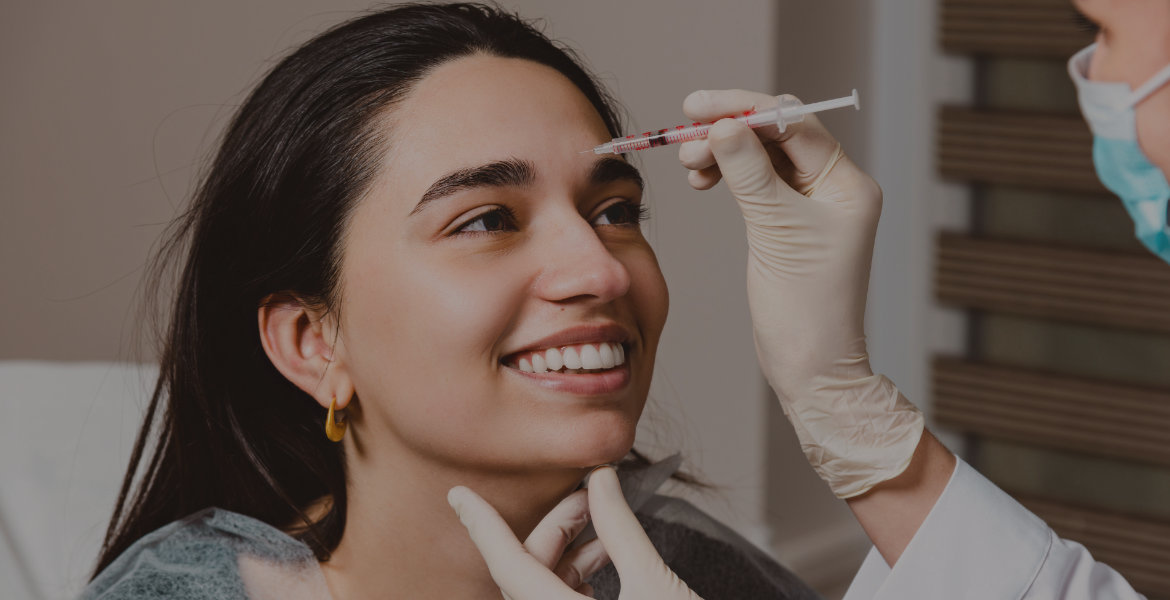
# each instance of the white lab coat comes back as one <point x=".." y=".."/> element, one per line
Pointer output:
<point x="979" y="543"/>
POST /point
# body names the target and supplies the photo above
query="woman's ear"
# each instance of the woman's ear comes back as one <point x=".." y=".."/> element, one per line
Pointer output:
<point x="300" y="341"/>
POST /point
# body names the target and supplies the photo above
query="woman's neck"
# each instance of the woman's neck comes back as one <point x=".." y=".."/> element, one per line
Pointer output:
<point x="402" y="539"/>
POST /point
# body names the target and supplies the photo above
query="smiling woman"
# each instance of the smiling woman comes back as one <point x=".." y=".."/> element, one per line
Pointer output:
<point x="400" y="231"/>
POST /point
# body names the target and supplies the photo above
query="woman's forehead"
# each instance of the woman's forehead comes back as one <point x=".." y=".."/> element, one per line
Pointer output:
<point x="481" y="108"/>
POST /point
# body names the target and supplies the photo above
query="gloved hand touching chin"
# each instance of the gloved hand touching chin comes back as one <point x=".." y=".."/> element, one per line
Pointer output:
<point x="811" y="217"/>
<point x="526" y="572"/>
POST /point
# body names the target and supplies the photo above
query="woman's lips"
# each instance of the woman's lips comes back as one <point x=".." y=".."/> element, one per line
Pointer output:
<point x="600" y="382"/>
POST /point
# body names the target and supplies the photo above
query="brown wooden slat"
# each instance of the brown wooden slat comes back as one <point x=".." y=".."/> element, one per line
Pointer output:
<point x="1036" y="123"/>
<point x="1054" y="411"/>
<point x="1138" y="548"/>
<point x="1025" y="149"/>
<point x="1098" y="287"/>
<point x="1023" y="28"/>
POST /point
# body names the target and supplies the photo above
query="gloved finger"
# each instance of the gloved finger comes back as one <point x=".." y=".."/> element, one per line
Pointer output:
<point x="618" y="528"/>
<point x="712" y="105"/>
<point x="581" y="563"/>
<point x="808" y="145"/>
<point x="704" y="179"/>
<point x="695" y="155"/>
<point x="558" y="528"/>
<point x="744" y="163"/>
<point x="519" y="575"/>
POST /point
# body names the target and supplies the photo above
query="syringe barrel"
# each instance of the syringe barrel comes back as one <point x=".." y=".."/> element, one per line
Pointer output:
<point x="624" y="145"/>
<point x="662" y="137"/>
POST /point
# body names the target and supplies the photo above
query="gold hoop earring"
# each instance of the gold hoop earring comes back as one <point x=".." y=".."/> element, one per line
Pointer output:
<point x="335" y="423"/>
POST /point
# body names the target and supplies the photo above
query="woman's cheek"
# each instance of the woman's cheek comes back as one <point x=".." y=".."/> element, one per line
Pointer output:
<point x="652" y="294"/>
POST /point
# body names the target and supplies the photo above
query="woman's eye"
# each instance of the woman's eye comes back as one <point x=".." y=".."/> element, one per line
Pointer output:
<point x="497" y="219"/>
<point x="622" y="213"/>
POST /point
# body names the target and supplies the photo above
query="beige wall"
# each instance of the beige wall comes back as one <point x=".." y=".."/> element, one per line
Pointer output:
<point x="109" y="109"/>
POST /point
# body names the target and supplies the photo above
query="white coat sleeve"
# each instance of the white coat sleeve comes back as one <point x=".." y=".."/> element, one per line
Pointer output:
<point x="979" y="543"/>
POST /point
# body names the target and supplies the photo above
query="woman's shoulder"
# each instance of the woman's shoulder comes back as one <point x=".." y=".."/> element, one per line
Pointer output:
<point x="715" y="561"/>
<point x="199" y="556"/>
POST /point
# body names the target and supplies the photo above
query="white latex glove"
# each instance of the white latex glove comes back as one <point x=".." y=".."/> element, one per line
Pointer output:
<point x="524" y="575"/>
<point x="811" y="219"/>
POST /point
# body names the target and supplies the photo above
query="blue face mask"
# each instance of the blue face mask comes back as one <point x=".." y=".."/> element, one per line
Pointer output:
<point x="1122" y="167"/>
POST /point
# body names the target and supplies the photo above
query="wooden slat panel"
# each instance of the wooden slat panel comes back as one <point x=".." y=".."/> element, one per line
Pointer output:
<point x="1138" y="548"/>
<point x="1052" y="152"/>
<point x="1022" y="28"/>
<point x="1026" y="149"/>
<point x="1099" y="287"/>
<point x="1054" y="411"/>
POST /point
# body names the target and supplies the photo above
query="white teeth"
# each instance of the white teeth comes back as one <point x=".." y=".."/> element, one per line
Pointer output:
<point x="571" y="358"/>
<point x="553" y="359"/>
<point x="574" y="359"/>
<point x="606" y="355"/>
<point x="590" y="357"/>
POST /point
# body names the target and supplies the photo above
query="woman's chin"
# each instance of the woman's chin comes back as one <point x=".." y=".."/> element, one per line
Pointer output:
<point x="591" y="447"/>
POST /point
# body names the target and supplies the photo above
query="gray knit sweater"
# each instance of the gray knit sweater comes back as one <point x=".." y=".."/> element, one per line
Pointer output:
<point x="218" y="554"/>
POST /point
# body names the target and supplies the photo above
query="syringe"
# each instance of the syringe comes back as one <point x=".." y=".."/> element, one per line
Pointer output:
<point x="790" y="110"/>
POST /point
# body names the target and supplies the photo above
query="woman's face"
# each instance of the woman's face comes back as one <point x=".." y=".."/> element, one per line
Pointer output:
<point x="1132" y="45"/>
<point x="486" y="238"/>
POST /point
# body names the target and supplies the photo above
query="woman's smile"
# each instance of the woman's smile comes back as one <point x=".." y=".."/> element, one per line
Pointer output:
<point x="585" y="359"/>
<point x="578" y="358"/>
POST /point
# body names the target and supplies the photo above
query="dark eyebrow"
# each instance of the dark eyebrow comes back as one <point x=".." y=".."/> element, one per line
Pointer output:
<point x="512" y="172"/>
<point x="608" y="170"/>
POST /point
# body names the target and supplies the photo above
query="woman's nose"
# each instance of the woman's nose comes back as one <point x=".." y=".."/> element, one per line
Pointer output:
<point x="578" y="266"/>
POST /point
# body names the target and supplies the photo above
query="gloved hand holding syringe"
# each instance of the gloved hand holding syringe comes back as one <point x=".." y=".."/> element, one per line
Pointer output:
<point x="790" y="110"/>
